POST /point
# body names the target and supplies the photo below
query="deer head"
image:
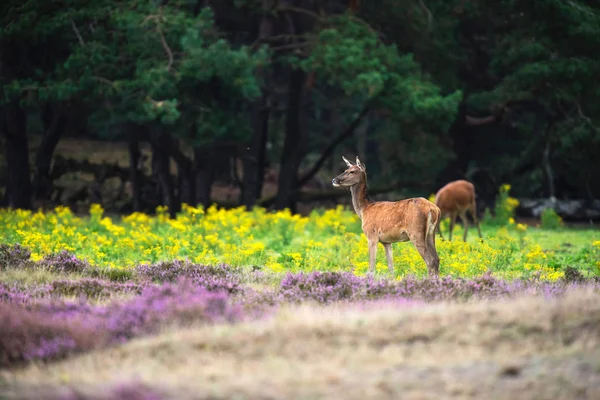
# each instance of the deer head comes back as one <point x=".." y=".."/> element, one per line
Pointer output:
<point x="353" y="175"/>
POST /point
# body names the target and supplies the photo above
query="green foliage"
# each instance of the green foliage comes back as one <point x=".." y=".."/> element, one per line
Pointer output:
<point x="550" y="219"/>
<point x="350" y="55"/>
<point x="504" y="209"/>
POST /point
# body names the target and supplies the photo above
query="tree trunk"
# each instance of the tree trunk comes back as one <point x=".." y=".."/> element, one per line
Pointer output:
<point x="54" y="122"/>
<point x="18" y="185"/>
<point x="161" y="158"/>
<point x="254" y="158"/>
<point x="294" y="147"/>
<point x="204" y="160"/>
<point x="547" y="164"/>
<point x="458" y="132"/>
<point x="186" y="179"/>
<point x="134" y="159"/>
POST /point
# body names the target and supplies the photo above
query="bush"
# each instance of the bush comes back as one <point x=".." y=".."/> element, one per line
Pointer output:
<point x="65" y="262"/>
<point x="504" y="210"/>
<point x="213" y="278"/>
<point x="13" y="256"/>
<point x="551" y="219"/>
<point x="92" y="287"/>
<point x="327" y="287"/>
<point x="27" y="335"/>
<point x="331" y="287"/>
<point x="53" y="329"/>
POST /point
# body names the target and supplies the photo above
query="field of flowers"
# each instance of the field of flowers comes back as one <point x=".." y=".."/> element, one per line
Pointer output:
<point x="87" y="284"/>
<point x="329" y="240"/>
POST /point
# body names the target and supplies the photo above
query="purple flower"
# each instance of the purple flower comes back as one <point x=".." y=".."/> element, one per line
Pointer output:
<point x="54" y="328"/>
<point x="213" y="278"/>
<point x="63" y="261"/>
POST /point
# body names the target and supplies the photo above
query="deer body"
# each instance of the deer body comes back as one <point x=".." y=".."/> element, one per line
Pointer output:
<point x="456" y="199"/>
<point x="387" y="222"/>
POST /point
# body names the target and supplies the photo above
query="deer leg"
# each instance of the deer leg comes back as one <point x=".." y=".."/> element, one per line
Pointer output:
<point x="474" y="214"/>
<point x="372" y="255"/>
<point x="452" y="221"/>
<point x="438" y="229"/>
<point x="433" y="267"/>
<point x="388" y="256"/>
<point x="465" y="222"/>
<point x="429" y="255"/>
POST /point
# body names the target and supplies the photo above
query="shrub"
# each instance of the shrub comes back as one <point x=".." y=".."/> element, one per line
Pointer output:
<point x="504" y="209"/>
<point x="332" y="287"/>
<point x="64" y="261"/>
<point x="213" y="278"/>
<point x="326" y="287"/>
<point x="53" y="329"/>
<point x="90" y="287"/>
<point x="550" y="219"/>
<point x="27" y="335"/>
<point x="13" y="256"/>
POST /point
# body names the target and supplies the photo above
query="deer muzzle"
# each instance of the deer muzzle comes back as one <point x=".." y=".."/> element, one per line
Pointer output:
<point x="335" y="182"/>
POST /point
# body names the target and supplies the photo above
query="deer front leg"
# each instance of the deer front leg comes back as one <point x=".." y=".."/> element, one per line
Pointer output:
<point x="372" y="255"/>
<point x="388" y="256"/>
<point x="463" y="218"/>
<point x="452" y="222"/>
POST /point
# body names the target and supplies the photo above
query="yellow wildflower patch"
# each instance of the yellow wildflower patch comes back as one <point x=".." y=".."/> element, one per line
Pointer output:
<point x="276" y="241"/>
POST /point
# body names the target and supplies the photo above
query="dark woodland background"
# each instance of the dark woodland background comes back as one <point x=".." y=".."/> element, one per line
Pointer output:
<point x="134" y="104"/>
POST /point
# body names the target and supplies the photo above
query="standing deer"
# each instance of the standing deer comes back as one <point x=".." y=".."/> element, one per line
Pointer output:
<point x="456" y="198"/>
<point x="387" y="222"/>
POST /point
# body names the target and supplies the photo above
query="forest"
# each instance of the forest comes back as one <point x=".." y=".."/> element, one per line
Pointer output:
<point x="136" y="104"/>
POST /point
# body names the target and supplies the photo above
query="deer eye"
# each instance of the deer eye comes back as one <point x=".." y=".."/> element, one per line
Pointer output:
<point x="352" y="172"/>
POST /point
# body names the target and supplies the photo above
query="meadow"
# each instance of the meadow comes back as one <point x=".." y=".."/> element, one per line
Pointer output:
<point x="255" y="304"/>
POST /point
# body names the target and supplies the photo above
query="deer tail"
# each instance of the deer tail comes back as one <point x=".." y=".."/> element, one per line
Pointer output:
<point x="433" y="218"/>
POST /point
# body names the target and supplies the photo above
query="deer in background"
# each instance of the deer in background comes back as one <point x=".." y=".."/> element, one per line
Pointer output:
<point x="387" y="222"/>
<point x="455" y="199"/>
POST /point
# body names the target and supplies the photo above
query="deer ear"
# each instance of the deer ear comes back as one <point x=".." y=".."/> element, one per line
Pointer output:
<point x="348" y="163"/>
<point x="359" y="164"/>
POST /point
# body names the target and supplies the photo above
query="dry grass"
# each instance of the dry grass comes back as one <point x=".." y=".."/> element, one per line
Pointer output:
<point x="522" y="348"/>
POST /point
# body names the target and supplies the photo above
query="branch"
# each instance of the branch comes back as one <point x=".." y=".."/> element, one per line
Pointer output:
<point x="429" y="15"/>
<point x="104" y="80"/>
<point x="333" y="144"/>
<point x="81" y="42"/>
<point x="475" y="121"/>
<point x="166" y="47"/>
<point x="318" y="195"/>
<point x="289" y="46"/>
<point x="300" y="10"/>
<point x="585" y="117"/>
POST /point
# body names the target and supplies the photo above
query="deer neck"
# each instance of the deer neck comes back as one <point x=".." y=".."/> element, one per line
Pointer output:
<point x="360" y="198"/>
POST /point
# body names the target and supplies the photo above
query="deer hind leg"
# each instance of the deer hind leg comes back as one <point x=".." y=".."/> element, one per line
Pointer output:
<point x="372" y="254"/>
<point x="452" y="222"/>
<point x="426" y="248"/>
<point x="475" y="219"/>
<point x="433" y="266"/>
<point x="438" y="229"/>
<point x="388" y="256"/>
<point x="465" y="222"/>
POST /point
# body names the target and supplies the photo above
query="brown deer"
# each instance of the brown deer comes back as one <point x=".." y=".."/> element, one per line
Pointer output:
<point x="387" y="222"/>
<point x="455" y="199"/>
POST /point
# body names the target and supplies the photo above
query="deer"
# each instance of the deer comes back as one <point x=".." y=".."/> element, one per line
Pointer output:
<point x="456" y="199"/>
<point x="387" y="222"/>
